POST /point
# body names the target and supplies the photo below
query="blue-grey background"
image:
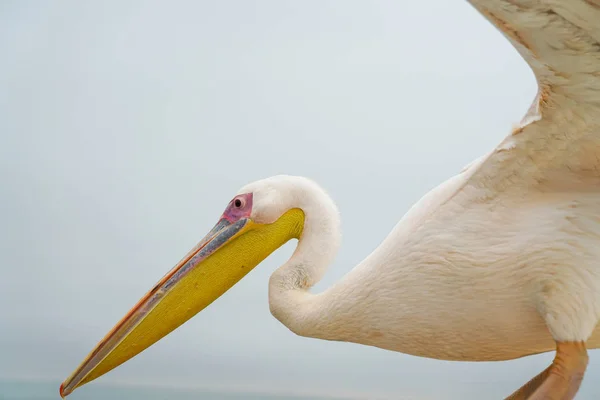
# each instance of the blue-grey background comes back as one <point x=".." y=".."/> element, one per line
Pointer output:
<point x="126" y="127"/>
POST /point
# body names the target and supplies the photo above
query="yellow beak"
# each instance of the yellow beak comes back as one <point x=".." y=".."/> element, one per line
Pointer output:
<point x="219" y="261"/>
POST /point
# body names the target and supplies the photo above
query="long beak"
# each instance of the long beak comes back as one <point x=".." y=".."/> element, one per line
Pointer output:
<point x="213" y="266"/>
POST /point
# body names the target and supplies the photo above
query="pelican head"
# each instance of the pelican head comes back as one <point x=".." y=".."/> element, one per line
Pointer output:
<point x="259" y="219"/>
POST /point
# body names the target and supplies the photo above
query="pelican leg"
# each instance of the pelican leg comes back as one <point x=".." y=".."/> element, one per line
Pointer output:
<point x="527" y="389"/>
<point x="566" y="373"/>
<point x="561" y="380"/>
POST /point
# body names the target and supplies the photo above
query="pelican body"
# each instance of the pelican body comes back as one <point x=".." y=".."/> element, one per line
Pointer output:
<point x="499" y="262"/>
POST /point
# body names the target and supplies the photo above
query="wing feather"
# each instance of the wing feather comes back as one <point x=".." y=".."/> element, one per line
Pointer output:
<point x="558" y="140"/>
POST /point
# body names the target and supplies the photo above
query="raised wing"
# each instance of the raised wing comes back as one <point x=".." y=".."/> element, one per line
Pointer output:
<point x="560" y="134"/>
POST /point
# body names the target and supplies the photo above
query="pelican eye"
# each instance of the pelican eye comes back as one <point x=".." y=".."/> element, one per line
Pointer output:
<point x="237" y="203"/>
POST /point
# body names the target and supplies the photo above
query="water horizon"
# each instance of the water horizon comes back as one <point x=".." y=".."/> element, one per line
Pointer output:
<point x="46" y="389"/>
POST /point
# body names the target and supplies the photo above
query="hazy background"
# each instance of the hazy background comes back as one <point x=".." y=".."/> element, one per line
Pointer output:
<point x="127" y="126"/>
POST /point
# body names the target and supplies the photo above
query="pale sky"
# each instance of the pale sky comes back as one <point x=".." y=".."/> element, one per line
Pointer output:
<point x="127" y="126"/>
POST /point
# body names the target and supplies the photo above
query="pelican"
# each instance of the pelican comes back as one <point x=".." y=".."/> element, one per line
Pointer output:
<point x="499" y="262"/>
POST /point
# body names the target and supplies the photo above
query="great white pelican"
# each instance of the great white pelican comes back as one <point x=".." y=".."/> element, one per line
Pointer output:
<point x="499" y="262"/>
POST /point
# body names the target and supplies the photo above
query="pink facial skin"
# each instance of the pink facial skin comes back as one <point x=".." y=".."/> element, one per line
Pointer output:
<point x="239" y="207"/>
